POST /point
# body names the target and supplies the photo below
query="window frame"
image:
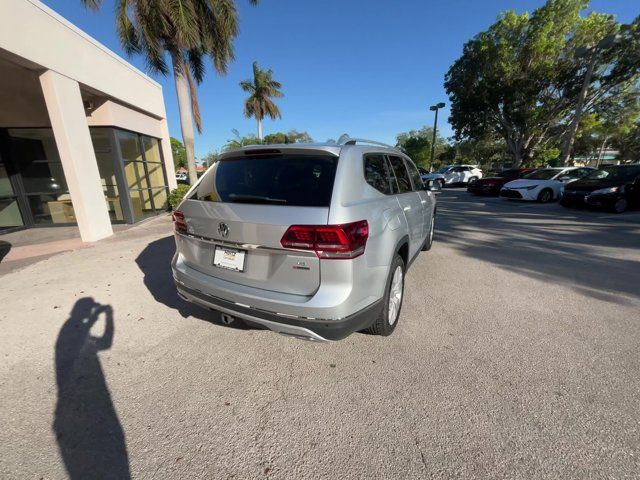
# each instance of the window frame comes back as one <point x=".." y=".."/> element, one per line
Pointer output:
<point x="408" y="164"/>
<point x="401" y="158"/>
<point x="391" y="180"/>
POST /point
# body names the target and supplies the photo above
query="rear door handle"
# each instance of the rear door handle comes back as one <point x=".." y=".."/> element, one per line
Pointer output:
<point x="423" y="201"/>
<point x="407" y="208"/>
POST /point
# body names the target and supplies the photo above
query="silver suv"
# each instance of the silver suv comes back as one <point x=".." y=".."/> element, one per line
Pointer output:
<point x="311" y="241"/>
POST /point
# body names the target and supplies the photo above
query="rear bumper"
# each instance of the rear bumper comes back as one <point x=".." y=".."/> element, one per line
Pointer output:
<point x="316" y="329"/>
<point x="334" y="311"/>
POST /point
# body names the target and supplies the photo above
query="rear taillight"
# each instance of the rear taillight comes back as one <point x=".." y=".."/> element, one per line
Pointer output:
<point x="328" y="241"/>
<point x="179" y="224"/>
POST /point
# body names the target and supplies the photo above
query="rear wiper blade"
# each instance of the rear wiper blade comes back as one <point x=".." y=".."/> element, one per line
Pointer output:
<point x="255" y="199"/>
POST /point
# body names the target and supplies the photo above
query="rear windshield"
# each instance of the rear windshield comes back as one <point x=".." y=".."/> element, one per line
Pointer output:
<point x="294" y="180"/>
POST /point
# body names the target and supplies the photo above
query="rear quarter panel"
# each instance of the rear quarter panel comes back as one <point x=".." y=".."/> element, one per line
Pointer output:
<point x="354" y="199"/>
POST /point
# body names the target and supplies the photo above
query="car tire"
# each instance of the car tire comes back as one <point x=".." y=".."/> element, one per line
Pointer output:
<point x="428" y="242"/>
<point x="545" y="195"/>
<point x="621" y="205"/>
<point x="384" y="324"/>
<point x="441" y="183"/>
<point x="472" y="179"/>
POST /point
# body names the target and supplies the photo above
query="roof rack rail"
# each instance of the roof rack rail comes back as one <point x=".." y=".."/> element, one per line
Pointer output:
<point x="354" y="141"/>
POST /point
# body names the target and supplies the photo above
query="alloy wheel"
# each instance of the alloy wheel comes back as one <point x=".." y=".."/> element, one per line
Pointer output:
<point x="431" y="230"/>
<point x="395" y="295"/>
<point x="545" y="196"/>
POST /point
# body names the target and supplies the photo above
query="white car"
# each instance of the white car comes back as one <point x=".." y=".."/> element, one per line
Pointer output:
<point x="543" y="185"/>
<point x="181" y="177"/>
<point x="452" y="174"/>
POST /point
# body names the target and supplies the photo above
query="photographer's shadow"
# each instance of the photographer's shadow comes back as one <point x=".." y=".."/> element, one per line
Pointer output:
<point x="89" y="435"/>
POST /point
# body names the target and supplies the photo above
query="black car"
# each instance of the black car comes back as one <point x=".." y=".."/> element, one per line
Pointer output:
<point x="615" y="187"/>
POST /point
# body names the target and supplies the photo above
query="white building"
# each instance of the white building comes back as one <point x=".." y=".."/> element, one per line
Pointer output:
<point x="83" y="134"/>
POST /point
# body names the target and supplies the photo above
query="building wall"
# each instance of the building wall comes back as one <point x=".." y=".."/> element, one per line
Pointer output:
<point x="28" y="28"/>
<point x="21" y="100"/>
<point x="31" y="30"/>
<point x="48" y="70"/>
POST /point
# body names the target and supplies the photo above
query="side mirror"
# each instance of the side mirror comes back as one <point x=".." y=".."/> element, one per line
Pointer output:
<point x="433" y="186"/>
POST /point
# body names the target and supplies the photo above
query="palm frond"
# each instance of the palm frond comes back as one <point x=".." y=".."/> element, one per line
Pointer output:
<point x="92" y="4"/>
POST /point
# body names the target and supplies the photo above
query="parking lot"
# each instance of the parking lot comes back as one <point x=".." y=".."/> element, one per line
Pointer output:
<point x="516" y="356"/>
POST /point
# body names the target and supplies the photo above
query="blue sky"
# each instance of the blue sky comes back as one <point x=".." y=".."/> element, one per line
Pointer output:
<point x="368" y="68"/>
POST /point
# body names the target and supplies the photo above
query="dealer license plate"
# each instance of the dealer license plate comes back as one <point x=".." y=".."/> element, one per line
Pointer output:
<point x="229" y="258"/>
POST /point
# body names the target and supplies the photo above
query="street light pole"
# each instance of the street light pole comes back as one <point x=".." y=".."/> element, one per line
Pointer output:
<point x="434" y="108"/>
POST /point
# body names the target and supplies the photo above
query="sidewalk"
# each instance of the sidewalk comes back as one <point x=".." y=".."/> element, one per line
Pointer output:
<point x="25" y="247"/>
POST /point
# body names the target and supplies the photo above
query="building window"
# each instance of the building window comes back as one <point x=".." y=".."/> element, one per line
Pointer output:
<point x="144" y="173"/>
<point x="36" y="160"/>
<point x="107" y="160"/>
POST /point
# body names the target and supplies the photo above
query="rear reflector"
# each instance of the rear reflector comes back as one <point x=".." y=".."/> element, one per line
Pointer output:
<point x="328" y="241"/>
<point x="179" y="224"/>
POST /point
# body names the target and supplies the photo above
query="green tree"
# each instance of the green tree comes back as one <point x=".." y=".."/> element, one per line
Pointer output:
<point x="292" y="136"/>
<point x="521" y="78"/>
<point x="489" y="151"/>
<point x="629" y="144"/>
<point x="239" y="141"/>
<point x="273" y="138"/>
<point x="210" y="158"/>
<point x="261" y="88"/>
<point x="187" y="31"/>
<point x="417" y="144"/>
<point x="179" y="153"/>
<point x="610" y="125"/>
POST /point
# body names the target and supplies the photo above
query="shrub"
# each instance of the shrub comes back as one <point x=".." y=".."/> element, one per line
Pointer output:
<point x="176" y="196"/>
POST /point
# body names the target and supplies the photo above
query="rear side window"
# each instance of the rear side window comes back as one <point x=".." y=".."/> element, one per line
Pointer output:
<point x="415" y="175"/>
<point x="376" y="173"/>
<point x="402" y="176"/>
<point x="293" y="180"/>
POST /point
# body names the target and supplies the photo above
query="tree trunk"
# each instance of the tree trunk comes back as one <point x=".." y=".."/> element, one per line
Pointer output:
<point x="517" y="159"/>
<point x="186" y="116"/>
<point x="516" y="152"/>
<point x="259" y="129"/>
<point x="567" y="145"/>
<point x="601" y="152"/>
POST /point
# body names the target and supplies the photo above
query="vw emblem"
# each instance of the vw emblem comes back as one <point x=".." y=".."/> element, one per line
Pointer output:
<point x="223" y="230"/>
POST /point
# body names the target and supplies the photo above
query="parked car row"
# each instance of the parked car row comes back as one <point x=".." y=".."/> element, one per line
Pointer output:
<point x="615" y="187"/>
<point x="543" y="185"/>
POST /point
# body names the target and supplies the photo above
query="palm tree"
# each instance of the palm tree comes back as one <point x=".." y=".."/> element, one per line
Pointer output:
<point x="187" y="31"/>
<point x="261" y="89"/>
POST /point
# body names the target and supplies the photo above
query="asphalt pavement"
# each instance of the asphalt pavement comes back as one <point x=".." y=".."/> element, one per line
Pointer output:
<point x="516" y="356"/>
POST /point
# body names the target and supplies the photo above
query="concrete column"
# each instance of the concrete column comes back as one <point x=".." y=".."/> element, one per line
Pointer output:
<point x="168" y="156"/>
<point x="70" y="129"/>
